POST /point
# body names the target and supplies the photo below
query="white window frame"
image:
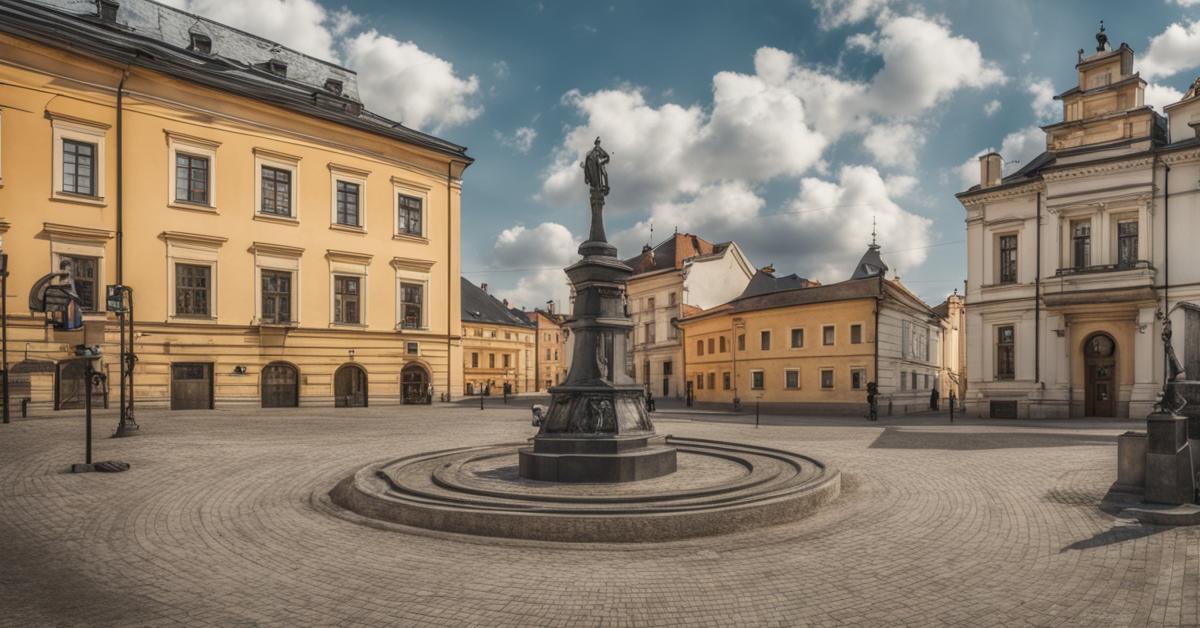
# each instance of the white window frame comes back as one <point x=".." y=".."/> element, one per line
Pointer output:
<point x="200" y="147"/>
<point x="803" y="340"/>
<point x="70" y="240"/>
<point x="281" y="161"/>
<point x="832" y="326"/>
<point x="821" y="377"/>
<point x="764" y="379"/>
<point x="68" y="128"/>
<point x="413" y="271"/>
<point x="785" y="379"/>
<point x="863" y="369"/>
<point x="197" y="250"/>
<point x="338" y="172"/>
<point x="862" y="333"/>
<point x="280" y="258"/>
<point x="349" y="264"/>
<point x="410" y="188"/>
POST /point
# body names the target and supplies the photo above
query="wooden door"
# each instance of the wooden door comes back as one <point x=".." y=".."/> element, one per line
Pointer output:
<point x="1100" y="383"/>
<point x="191" y="386"/>
<point x="280" y="386"/>
<point x="414" y="384"/>
<point x="350" y="387"/>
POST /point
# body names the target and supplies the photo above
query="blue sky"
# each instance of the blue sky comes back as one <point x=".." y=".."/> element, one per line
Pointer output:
<point x="787" y="126"/>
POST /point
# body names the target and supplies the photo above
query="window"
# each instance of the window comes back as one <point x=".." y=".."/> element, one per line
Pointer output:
<point x="1008" y="258"/>
<point x="508" y="335"/>
<point x="856" y="334"/>
<point x="650" y="304"/>
<point x="347" y="299"/>
<point x="667" y="368"/>
<point x="827" y="335"/>
<point x="925" y="381"/>
<point x="699" y="381"/>
<point x="491" y="360"/>
<point x="191" y="178"/>
<point x="797" y="338"/>
<point x="348" y="205"/>
<point x="711" y="345"/>
<point x="474" y="360"/>
<point x="276" y="191"/>
<point x="412" y="348"/>
<point x="725" y="381"/>
<point x="721" y="344"/>
<point x="672" y="332"/>
<point x="903" y="380"/>
<point x="192" y="285"/>
<point x="699" y="347"/>
<point x="826" y="378"/>
<point x="86" y="278"/>
<point x="79" y="167"/>
<point x="791" y="379"/>
<point x="1127" y="244"/>
<point x="408" y="214"/>
<point x="276" y="296"/>
<point x="741" y="342"/>
<point x="649" y="327"/>
<point x="914" y="379"/>
<point x="1005" y="349"/>
<point x="712" y="381"/>
<point x="411" y="299"/>
<point x="756" y="380"/>
<point x="547" y="354"/>
<point x="671" y="299"/>
<point x="858" y="378"/>
<point x="507" y="360"/>
<point x="764" y="340"/>
<point x="646" y="371"/>
<point x="1081" y="243"/>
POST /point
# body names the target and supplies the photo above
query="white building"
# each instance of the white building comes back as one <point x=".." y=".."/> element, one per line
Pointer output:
<point x="1070" y="257"/>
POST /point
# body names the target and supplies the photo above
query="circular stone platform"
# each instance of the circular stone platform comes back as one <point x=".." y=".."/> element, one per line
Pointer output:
<point x="719" y="487"/>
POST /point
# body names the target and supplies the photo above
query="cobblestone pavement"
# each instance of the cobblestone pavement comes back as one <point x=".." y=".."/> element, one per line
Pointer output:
<point x="972" y="524"/>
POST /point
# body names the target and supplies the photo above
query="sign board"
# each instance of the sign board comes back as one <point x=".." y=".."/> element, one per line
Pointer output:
<point x="114" y="299"/>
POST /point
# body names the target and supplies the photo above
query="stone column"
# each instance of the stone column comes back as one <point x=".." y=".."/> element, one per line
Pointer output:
<point x="1145" y="391"/>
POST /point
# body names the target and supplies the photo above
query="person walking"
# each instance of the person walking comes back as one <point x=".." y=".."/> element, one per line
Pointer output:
<point x="933" y="399"/>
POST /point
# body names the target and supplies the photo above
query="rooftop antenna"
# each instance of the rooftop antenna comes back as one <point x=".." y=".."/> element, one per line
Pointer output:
<point x="651" y="242"/>
<point x="873" y="231"/>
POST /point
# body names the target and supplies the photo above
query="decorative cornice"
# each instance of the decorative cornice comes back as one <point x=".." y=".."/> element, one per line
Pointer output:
<point x="62" y="117"/>
<point x="408" y="263"/>
<point x="1180" y="156"/>
<point x="76" y="232"/>
<point x="271" y="154"/>
<point x="410" y="184"/>
<point x="350" y="170"/>
<point x="1086" y="170"/>
<point x="348" y="257"/>
<point x="190" y="139"/>
<point x="282" y="250"/>
<point x="980" y="197"/>
<point x="193" y="238"/>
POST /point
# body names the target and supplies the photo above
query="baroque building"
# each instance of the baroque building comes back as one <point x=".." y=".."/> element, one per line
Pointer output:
<point x="499" y="344"/>
<point x="789" y="341"/>
<point x="283" y="244"/>
<point x="681" y="274"/>
<point x="1073" y="257"/>
<point x="550" y="346"/>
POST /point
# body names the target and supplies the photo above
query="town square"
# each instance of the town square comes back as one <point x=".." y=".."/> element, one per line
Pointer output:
<point x="827" y="312"/>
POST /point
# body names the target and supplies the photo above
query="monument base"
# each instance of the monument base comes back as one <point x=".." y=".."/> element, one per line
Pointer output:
<point x="577" y="459"/>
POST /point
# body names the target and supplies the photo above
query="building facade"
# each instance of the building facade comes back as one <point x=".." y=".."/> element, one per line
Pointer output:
<point x="550" y="347"/>
<point x="1073" y="258"/>
<point x="684" y="272"/>
<point x="284" y="246"/>
<point x="793" y="342"/>
<point x="498" y="345"/>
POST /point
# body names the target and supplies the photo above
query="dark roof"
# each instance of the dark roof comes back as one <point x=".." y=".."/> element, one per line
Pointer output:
<point x="673" y="252"/>
<point x="942" y="309"/>
<point x="869" y="288"/>
<point x="764" y="282"/>
<point x="1029" y="172"/>
<point x="157" y="37"/>
<point x="871" y="264"/>
<point x="481" y="307"/>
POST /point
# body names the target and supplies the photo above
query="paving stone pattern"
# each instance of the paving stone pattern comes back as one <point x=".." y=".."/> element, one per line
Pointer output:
<point x="216" y="525"/>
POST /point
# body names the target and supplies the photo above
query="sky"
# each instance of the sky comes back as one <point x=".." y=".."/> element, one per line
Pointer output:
<point x="788" y="127"/>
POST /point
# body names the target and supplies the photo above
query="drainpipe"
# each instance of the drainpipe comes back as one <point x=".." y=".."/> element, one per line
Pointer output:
<point x="124" y="366"/>
<point x="1037" y="300"/>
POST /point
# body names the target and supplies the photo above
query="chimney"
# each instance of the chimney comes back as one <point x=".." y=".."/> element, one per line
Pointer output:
<point x="550" y="307"/>
<point x="483" y="286"/>
<point x="107" y="10"/>
<point x="990" y="166"/>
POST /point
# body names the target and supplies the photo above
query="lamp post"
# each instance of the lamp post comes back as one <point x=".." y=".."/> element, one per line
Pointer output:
<point x="4" y="330"/>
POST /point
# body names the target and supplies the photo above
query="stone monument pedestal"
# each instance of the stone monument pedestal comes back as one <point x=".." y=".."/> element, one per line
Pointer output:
<point x="1168" y="460"/>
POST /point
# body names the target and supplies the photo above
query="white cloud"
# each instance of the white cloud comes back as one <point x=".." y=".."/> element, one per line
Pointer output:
<point x="501" y="70"/>
<point x="900" y="185"/>
<point x="991" y="108"/>
<point x="1043" y="104"/>
<point x="1016" y="149"/>
<point x="1175" y="49"/>
<point x="520" y="140"/>
<point x="399" y="80"/>
<point x="1160" y="96"/>
<point x="835" y="13"/>
<point x="544" y="250"/>
<point x="303" y="25"/>
<point x="894" y="146"/>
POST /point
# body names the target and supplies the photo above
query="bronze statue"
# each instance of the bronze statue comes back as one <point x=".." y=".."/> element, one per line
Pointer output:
<point x="1170" y="401"/>
<point x="595" y="169"/>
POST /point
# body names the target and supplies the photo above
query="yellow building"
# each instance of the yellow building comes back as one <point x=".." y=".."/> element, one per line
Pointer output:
<point x="284" y="245"/>
<point x="789" y="341"/>
<point x="498" y="345"/>
<point x="550" y="347"/>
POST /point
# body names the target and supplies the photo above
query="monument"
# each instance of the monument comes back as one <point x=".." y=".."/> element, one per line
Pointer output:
<point x="596" y="428"/>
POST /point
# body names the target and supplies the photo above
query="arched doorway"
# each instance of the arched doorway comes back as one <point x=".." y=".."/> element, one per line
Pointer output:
<point x="280" y="385"/>
<point x="1100" y="369"/>
<point x="414" y="384"/>
<point x="350" y="387"/>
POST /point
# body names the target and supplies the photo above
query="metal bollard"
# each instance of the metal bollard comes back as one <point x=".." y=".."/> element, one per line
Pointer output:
<point x="25" y="408"/>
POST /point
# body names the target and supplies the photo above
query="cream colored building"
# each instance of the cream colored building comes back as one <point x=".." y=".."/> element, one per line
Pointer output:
<point x="499" y="345"/>
<point x="550" y="347"/>
<point x="284" y="245"/>
<point x="1071" y="258"/>
<point x="682" y="273"/>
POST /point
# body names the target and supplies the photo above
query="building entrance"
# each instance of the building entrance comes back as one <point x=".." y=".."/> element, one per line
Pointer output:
<point x="1100" y="365"/>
